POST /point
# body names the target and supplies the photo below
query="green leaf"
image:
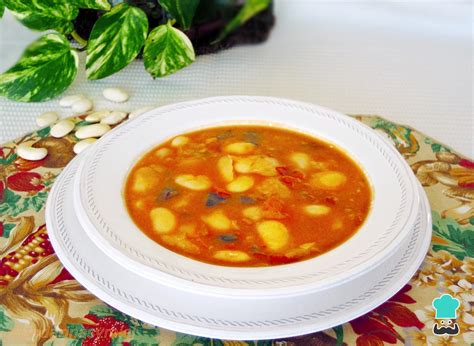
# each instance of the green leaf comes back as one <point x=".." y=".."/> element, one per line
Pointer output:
<point x="250" y="9"/>
<point x="44" y="14"/>
<point x="181" y="10"/>
<point x="103" y="311"/>
<point x="7" y="228"/>
<point x="78" y="331"/>
<point x="167" y="50"/>
<point x="6" y="323"/>
<point x="339" y="335"/>
<point x="47" y="67"/>
<point x="460" y="238"/>
<point x="10" y="197"/>
<point x="2" y="8"/>
<point x="92" y="4"/>
<point x="44" y="132"/>
<point x="115" y="40"/>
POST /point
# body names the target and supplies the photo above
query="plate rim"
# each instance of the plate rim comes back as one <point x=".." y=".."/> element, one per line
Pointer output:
<point x="386" y="293"/>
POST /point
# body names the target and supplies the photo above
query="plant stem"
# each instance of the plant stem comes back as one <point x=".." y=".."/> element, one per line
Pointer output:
<point x="79" y="39"/>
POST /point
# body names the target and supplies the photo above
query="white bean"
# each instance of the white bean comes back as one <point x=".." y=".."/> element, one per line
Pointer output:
<point x="179" y="141"/>
<point x="163" y="220"/>
<point x="300" y="159"/>
<point x="62" y="128"/>
<point x="231" y="255"/>
<point x="94" y="130"/>
<point x="226" y="168"/>
<point x="139" y="111"/>
<point x="67" y="101"/>
<point x="97" y="116"/>
<point x="27" y="152"/>
<point x="274" y="234"/>
<point x="81" y="145"/>
<point x="241" y="184"/>
<point x="196" y="183"/>
<point x="115" y="94"/>
<point x="82" y="105"/>
<point x="239" y="148"/>
<point x="114" y="118"/>
<point x="328" y="179"/>
<point x="217" y="220"/>
<point x="163" y="152"/>
<point x="46" y="119"/>
<point x="317" y="209"/>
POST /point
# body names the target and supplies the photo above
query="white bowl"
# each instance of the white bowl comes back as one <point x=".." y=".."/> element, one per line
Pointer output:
<point x="102" y="212"/>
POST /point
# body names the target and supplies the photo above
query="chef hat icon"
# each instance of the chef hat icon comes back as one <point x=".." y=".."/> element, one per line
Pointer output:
<point x="446" y="306"/>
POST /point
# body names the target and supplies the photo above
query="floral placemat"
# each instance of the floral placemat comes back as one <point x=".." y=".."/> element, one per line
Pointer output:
<point x="41" y="303"/>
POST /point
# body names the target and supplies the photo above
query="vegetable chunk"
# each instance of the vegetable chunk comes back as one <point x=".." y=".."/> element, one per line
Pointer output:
<point x="181" y="242"/>
<point x="163" y="220"/>
<point x="257" y="164"/>
<point x="273" y="187"/>
<point x="145" y="179"/>
<point x="274" y="234"/>
<point x="253" y="213"/>
<point x="231" y="256"/>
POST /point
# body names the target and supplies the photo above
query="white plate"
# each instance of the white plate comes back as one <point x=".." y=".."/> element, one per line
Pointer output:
<point x="103" y="215"/>
<point x="213" y="316"/>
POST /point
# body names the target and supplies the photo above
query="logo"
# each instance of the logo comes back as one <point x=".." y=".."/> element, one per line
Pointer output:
<point x="445" y="307"/>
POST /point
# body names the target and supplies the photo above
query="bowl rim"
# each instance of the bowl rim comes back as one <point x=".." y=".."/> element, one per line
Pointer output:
<point x="82" y="202"/>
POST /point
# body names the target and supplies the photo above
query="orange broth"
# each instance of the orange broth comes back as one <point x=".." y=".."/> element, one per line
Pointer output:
<point x="247" y="196"/>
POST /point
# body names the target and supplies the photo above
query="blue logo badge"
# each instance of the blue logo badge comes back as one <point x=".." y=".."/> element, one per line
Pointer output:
<point x="445" y="307"/>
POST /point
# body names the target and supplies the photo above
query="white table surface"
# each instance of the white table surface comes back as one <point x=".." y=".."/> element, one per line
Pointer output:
<point x="411" y="62"/>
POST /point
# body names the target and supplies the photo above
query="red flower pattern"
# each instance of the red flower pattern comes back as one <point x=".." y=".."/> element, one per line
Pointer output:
<point x="103" y="330"/>
<point x="377" y="327"/>
<point x="25" y="182"/>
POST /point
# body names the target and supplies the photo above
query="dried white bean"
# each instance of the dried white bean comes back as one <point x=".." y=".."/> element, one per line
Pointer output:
<point x="81" y="145"/>
<point x="62" y="128"/>
<point x="67" y="101"/>
<point x="113" y="118"/>
<point x="97" y="116"/>
<point x="115" y="94"/>
<point x="139" y="111"/>
<point x="47" y="119"/>
<point x="94" y="130"/>
<point x="82" y="105"/>
<point x="27" y="152"/>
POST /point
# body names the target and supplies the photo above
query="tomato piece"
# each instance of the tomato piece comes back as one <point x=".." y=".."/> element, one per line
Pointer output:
<point x="273" y="208"/>
<point x="221" y="192"/>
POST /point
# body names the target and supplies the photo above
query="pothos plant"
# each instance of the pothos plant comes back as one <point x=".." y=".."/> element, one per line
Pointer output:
<point x="122" y="31"/>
